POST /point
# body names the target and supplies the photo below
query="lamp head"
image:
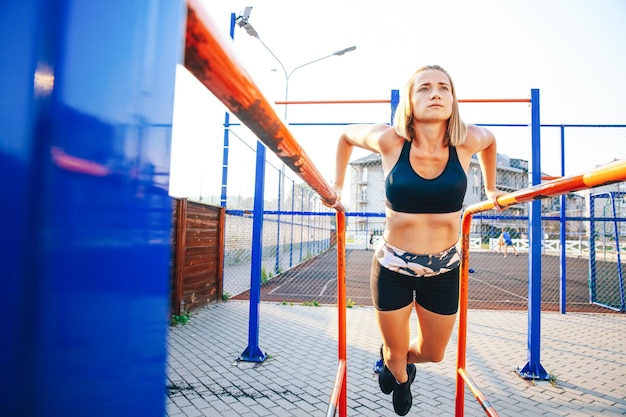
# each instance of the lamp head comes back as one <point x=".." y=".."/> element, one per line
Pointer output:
<point x="245" y="14"/>
<point x="344" y="51"/>
<point x="242" y="22"/>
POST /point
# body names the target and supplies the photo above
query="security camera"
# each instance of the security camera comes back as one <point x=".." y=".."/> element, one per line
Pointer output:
<point x="245" y="14"/>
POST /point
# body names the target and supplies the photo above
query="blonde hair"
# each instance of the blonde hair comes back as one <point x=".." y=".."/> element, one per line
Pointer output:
<point x="456" y="130"/>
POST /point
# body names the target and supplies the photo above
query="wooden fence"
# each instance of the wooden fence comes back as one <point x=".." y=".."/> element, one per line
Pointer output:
<point x="197" y="255"/>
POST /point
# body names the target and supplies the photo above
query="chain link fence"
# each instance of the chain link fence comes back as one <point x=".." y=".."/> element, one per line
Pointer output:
<point x="299" y="258"/>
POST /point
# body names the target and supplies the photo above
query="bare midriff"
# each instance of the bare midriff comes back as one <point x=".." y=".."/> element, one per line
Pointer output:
<point x="422" y="233"/>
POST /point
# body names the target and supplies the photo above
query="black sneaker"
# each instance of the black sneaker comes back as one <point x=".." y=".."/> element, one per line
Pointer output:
<point x="386" y="380"/>
<point x="402" y="398"/>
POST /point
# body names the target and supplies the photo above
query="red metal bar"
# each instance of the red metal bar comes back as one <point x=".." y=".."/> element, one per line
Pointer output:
<point x="213" y="64"/>
<point x="211" y="61"/>
<point x="382" y="101"/>
<point x="494" y="100"/>
<point x="607" y="174"/>
<point x="341" y="306"/>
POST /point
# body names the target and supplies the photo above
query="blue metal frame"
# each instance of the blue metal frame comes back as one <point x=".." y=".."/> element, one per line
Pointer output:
<point x="293" y="207"/>
<point x="563" y="232"/>
<point x="86" y="113"/>
<point x="395" y="100"/>
<point x="224" y="192"/>
<point x="280" y="197"/>
<point x="253" y="352"/>
<point x="533" y="368"/>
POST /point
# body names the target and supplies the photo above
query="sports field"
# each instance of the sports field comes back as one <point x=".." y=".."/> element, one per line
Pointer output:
<point x="497" y="282"/>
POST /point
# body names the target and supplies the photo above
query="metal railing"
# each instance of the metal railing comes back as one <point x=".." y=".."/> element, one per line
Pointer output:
<point x="214" y="65"/>
<point x="607" y="174"/>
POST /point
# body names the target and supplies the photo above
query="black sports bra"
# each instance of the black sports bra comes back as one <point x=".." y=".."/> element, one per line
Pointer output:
<point x="408" y="192"/>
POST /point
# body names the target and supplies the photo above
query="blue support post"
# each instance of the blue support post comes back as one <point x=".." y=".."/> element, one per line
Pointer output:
<point x="293" y="208"/>
<point x="620" y="276"/>
<point x="224" y="191"/>
<point x="253" y="352"/>
<point x="533" y="369"/>
<point x="301" y="221"/>
<point x="278" y="207"/>
<point x="86" y="118"/>
<point x="592" y="249"/>
<point x="563" y="230"/>
<point x="395" y="100"/>
<point x="224" y="195"/>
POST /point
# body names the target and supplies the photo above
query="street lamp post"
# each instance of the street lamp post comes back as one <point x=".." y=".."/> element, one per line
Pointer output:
<point x="288" y="75"/>
<point x="242" y="21"/>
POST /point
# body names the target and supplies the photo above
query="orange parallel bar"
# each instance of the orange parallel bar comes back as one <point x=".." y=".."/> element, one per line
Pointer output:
<point x="213" y="64"/>
<point x="494" y="100"/>
<point x="209" y="58"/>
<point x="606" y="174"/>
<point x="341" y="307"/>
<point x="334" y="102"/>
<point x="476" y="100"/>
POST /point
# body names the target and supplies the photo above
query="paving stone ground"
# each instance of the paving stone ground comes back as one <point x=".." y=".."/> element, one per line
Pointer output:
<point x="584" y="352"/>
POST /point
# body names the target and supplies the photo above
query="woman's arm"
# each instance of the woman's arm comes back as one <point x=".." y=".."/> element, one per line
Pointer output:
<point x="484" y="145"/>
<point x="370" y="137"/>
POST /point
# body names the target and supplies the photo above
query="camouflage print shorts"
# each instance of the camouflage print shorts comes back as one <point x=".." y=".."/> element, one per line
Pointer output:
<point x="414" y="265"/>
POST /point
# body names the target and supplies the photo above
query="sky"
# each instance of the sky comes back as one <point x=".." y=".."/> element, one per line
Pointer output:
<point x="571" y="50"/>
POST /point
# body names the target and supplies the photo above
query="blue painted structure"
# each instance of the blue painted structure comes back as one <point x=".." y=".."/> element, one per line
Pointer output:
<point x="533" y="368"/>
<point x="86" y="113"/>
<point x="563" y="232"/>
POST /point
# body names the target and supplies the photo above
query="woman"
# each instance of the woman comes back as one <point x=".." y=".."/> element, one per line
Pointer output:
<point x="425" y="158"/>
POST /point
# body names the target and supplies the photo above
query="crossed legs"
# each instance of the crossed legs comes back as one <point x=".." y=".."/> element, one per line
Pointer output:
<point x="434" y="331"/>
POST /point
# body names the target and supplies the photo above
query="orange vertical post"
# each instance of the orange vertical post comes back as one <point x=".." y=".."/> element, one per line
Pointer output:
<point x="341" y="306"/>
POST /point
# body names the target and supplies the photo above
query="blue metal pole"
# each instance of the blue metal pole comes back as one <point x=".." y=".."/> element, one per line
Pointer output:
<point x="395" y="101"/>
<point x="86" y="114"/>
<point x="301" y="221"/>
<point x="253" y="352"/>
<point x="620" y="276"/>
<point x="592" y="249"/>
<point x="533" y="369"/>
<point x="224" y="191"/>
<point x="563" y="229"/>
<point x="278" y="207"/>
<point x="224" y="194"/>
<point x="293" y="207"/>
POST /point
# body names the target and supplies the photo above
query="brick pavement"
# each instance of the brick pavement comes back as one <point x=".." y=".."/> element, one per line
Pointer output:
<point x="585" y="352"/>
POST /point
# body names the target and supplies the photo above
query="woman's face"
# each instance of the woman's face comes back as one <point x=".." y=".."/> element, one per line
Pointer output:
<point x="431" y="96"/>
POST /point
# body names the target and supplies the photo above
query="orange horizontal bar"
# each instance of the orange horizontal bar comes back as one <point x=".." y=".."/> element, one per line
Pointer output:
<point x="477" y="100"/>
<point x="334" y="102"/>
<point x="211" y="61"/>
<point x="607" y="174"/>
<point x="494" y="100"/>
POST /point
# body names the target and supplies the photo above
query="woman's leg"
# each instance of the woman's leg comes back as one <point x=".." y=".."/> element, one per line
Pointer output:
<point x="395" y="328"/>
<point x="434" y="331"/>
